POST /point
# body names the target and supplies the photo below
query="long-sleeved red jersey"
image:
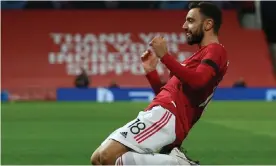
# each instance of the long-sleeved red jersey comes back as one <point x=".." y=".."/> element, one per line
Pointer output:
<point x="191" y="86"/>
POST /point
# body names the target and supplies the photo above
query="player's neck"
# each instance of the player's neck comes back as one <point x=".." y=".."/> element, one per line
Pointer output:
<point x="209" y="40"/>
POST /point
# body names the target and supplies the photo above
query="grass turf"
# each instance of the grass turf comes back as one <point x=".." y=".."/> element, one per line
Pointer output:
<point x="67" y="133"/>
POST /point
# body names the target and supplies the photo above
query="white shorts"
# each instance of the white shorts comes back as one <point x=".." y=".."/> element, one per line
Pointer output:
<point x="149" y="132"/>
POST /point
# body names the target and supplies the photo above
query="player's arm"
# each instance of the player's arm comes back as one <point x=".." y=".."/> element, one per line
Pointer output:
<point x="149" y="62"/>
<point x="198" y="78"/>
<point x="155" y="81"/>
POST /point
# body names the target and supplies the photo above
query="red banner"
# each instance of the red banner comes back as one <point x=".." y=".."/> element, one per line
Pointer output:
<point x="47" y="48"/>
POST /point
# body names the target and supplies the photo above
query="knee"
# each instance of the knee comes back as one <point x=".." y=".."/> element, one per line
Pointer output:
<point x="103" y="157"/>
<point x="106" y="157"/>
<point x="95" y="159"/>
<point x="107" y="154"/>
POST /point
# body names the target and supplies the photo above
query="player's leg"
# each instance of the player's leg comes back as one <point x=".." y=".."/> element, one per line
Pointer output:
<point x="174" y="158"/>
<point x="108" y="153"/>
<point x="95" y="158"/>
<point x="147" y="134"/>
<point x="114" y="153"/>
<point x="134" y="158"/>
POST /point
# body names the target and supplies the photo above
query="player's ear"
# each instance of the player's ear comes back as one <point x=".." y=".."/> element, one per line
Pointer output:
<point x="209" y="23"/>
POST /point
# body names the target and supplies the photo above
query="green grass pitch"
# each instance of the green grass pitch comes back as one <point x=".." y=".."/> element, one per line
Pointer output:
<point x="55" y="133"/>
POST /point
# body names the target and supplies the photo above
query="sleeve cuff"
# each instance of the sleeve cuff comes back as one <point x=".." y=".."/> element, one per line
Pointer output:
<point x="152" y="74"/>
<point x="165" y="57"/>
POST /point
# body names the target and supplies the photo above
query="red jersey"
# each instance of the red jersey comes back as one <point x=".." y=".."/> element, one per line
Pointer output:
<point x="191" y="86"/>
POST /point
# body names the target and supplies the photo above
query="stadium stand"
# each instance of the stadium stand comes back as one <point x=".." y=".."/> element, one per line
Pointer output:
<point x="29" y="69"/>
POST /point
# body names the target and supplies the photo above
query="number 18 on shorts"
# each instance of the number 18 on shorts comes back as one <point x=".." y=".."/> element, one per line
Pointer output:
<point x="149" y="132"/>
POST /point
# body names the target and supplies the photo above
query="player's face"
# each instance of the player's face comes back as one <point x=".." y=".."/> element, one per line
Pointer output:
<point x="193" y="27"/>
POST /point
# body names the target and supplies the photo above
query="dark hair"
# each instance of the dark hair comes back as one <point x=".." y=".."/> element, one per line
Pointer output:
<point x="209" y="10"/>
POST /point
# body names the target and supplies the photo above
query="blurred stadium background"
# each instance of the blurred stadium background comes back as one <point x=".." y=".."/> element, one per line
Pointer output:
<point x="71" y="75"/>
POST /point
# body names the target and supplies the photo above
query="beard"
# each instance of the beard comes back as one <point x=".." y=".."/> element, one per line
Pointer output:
<point x="196" y="37"/>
